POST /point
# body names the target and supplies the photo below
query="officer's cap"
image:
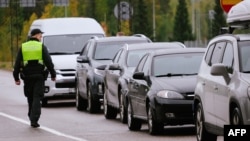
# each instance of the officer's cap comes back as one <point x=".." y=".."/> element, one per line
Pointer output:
<point x="35" y="31"/>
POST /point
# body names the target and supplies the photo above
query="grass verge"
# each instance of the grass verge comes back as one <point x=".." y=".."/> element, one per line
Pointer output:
<point x="6" y="66"/>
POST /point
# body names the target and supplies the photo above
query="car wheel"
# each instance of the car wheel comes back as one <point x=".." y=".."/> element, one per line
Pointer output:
<point x="154" y="127"/>
<point x="109" y="112"/>
<point x="81" y="104"/>
<point x="122" y="108"/>
<point x="44" y="102"/>
<point x="201" y="132"/>
<point x="236" y="118"/>
<point x="93" y="105"/>
<point x="133" y="123"/>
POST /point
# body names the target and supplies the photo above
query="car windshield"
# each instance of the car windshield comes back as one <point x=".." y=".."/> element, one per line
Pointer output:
<point x="244" y="51"/>
<point x="134" y="56"/>
<point x="106" y="51"/>
<point x="176" y="64"/>
<point x="67" y="44"/>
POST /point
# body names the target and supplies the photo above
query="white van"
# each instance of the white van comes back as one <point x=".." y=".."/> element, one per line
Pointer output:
<point x="64" y="38"/>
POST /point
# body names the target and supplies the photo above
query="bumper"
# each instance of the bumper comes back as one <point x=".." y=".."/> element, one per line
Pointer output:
<point x="62" y="87"/>
<point x="174" y="112"/>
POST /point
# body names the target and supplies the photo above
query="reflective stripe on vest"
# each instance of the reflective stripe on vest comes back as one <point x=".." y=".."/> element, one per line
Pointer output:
<point x="32" y="50"/>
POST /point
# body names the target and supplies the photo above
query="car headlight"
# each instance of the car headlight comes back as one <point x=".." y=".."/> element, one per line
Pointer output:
<point x="170" y="94"/>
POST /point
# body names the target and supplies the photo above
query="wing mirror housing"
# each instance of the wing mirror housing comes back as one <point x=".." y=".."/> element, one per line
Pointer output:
<point x="220" y="70"/>
<point x="114" y="67"/>
<point x="102" y="67"/>
<point x="139" y="75"/>
<point x="82" y="59"/>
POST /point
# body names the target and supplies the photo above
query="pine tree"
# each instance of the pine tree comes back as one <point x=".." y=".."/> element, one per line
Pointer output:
<point x="219" y="20"/>
<point x="182" y="28"/>
<point x="140" y="24"/>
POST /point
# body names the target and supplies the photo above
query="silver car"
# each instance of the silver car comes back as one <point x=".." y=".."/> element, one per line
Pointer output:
<point x="222" y="93"/>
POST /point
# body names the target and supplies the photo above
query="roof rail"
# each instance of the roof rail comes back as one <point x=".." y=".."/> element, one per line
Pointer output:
<point x="139" y="35"/>
<point x="180" y="43"/>
<point x="230" y="29"/>
<point x="94" y="37"/>
<point x="142" y="35"/>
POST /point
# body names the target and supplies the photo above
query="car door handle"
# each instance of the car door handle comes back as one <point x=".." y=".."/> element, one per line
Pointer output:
<point x="203" y="83"/>
<point x="215" y="88"/>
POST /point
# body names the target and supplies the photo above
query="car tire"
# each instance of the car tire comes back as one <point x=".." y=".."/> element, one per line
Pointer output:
<point x="154" y="127"/>
<point x="93" y="105"/>
<point x="236" y="118"/>
<point x="81" y="104"/>
<point x="201" y="133"/>
<point x="109" y="112"/>
<point x="122" y="108"/>
<point x="133" y="123"/>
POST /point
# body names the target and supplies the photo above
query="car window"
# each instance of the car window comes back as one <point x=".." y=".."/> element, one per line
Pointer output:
<point x="141" y="63"/>
<point x="134" y="56"/>
<point x="209" y="54"/>
<point x="85" y="49"/>
<point x="177" y="64"/>
<point x="228" y="56"/>
<point x="117" y="56"/>
<point x="217" y="52"/>
<point x="244" y="57"/>
<point x="147" y="65"/>
<point x="71" y="43"/>
<point x="106" y="51"/>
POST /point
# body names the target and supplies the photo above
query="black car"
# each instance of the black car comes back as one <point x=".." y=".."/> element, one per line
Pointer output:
<point x="162" y="89"/>
<point x="118" y="74"/>
<point x="89" y="80"/>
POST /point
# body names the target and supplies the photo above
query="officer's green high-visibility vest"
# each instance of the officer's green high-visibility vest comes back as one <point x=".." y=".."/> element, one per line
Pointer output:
<point x="32" y="50"/>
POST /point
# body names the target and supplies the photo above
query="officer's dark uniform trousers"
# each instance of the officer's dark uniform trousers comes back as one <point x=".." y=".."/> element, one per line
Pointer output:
<point x="34" y="91"/>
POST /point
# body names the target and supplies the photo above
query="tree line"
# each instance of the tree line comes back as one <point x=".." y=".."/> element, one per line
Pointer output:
<point x="160" y="20"/>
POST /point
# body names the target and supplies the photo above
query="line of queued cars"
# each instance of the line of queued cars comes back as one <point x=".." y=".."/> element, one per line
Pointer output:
<point x="171" y="84"/>
<point x="142" y="81"/>
<point x="97" y="53"/>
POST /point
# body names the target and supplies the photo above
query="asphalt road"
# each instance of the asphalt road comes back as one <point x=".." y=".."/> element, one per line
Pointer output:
<point x="60" y="121"/>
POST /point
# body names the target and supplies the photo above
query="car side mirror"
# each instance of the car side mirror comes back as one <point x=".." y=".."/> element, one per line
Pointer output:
<point x="220" y="70"/>
<point x="114" y="67"/>
<point x="139" y="75"/>
<point x="102" y="67"/>
<point x="82" y="59"/>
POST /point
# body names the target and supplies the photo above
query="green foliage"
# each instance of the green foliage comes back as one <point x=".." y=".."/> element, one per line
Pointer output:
<point x="219" y="20"/>
<point x="14" y="27"/>
<point x="140" y="19"/>
<point x="182" y="28"/>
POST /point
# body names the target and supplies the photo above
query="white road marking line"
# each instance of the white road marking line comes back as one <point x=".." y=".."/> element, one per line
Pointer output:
<point x="42" y="127"/>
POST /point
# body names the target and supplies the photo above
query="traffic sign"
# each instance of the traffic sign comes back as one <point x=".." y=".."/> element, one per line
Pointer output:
<point x="123" y="10"/>
<point x="227" y="4"/>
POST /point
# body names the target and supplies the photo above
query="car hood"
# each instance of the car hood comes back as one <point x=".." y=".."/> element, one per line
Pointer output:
<point x="178" y="84"/>
<point x="64" y="61"/>
<point x="246" y="77"/>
